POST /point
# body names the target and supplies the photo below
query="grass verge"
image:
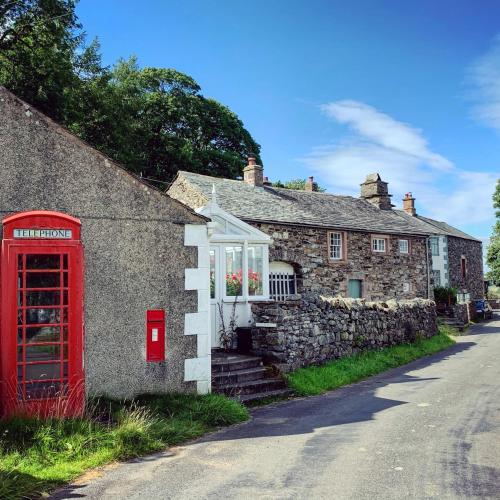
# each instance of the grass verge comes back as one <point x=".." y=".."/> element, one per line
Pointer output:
<point x="38" y="455"/>
<point x="319" y="379"/>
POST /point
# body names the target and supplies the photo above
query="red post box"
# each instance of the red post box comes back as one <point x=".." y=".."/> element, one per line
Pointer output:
<point x="155" y="335"/>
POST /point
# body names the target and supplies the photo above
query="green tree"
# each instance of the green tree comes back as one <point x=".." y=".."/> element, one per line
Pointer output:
<point x="156" y="121"/>
<point x="38" y="40"/>
<point x="299" y="184"/>
<point x="493" y="254"/>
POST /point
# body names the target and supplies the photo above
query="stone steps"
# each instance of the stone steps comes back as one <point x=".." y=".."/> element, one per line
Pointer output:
<point x="244" y="378"/>
<point x="243" y="375"/>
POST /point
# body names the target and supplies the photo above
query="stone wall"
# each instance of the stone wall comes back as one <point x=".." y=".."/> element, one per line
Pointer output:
<point x="382" y="275"/>
<point x="316" y="328"/>
<point x="472" y="250"/>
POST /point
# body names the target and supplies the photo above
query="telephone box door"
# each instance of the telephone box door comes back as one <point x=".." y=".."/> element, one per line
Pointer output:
<point x="41" y="324"/>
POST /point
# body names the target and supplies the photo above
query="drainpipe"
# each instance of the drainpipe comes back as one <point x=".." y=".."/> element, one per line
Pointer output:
<point x="427" y="246"/>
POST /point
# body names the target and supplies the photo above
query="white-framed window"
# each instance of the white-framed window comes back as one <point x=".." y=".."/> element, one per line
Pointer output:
<point x="282" y="280"/>
<point x="244" y="269"/>
<point x="379" y="245"/>
<point x="335" y="245"/>
<point x="404" y="246"/>
<point x="434" y="243"/>
<point x="213" y="277"/>
<point x="255" y="274"/>
<point x="234" y="270"/>
<point x="436" y="275"/>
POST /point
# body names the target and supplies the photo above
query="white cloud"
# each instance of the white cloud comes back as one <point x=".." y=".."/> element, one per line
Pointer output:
<point x="402" y="156"/>
<point x="484" y="77"/>
<point x="385" y="131"/>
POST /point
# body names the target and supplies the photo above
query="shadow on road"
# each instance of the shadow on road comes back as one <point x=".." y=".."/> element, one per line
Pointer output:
<point x="350" y="404"/>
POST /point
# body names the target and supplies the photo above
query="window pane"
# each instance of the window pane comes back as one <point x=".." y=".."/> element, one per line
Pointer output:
<point x="43" y="371"/>
<point x="234" y="270"/>
<point x="39" y="316"/>
<point x="255" y="270"/>
<point x="378" y="245"/>
<point x="212" y="274"/>
<point x="44" y="390"/>
<point x="434" y="246"/>
<point x="46" y="352"/>
<point x="42" y="280"/>
<point x="335" y="245"/>
<point x="43" y="334"/>
<point x="43" y="261"/>
<point x="403" y="246"/>
<point x="43" y="298"/>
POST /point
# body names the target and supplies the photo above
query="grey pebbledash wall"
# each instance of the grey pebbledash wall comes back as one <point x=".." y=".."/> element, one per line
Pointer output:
<point x="315" y="329"/>
<point x="134" y="252"/>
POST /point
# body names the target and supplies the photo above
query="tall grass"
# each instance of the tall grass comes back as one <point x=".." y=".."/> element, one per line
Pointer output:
<point x="319" y="379"/>
<point x="37" y="455"/>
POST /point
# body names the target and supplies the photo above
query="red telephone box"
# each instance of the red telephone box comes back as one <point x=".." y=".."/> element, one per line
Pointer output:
<point x="41" y="326"/>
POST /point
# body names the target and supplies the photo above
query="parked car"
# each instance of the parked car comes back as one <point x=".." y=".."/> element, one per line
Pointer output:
<point x="483" y="309"/>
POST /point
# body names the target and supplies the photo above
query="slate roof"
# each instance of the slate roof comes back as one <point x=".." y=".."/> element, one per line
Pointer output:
<point x="288" y="206"/>
<point x="439" y="227"/>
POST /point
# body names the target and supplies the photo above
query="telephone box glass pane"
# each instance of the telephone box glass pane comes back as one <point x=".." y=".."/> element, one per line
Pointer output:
<point x="39" y="261"/>
<point x="43" y="390"/>
<point x="43" y="334"/>
<point x="43" y="371"/>
<point x="46" y="352"/>
<point x="42" y="280"/>
<point x="43" y="298"/>
<point x="42" y="316"/>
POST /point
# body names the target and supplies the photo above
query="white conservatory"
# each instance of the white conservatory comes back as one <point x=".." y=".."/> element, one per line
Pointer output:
<point x="239" y="270"/>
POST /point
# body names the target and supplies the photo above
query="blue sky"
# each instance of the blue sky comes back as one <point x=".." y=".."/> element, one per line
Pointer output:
<point x="339" y="89"/>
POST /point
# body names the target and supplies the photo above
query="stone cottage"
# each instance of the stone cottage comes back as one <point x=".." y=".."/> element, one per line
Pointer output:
<point x="323" y="243"/>
<point x="457" y="257"/>
<point x="104" y="279"/>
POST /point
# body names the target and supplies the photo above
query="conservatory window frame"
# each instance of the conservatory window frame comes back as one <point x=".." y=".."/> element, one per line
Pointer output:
<point x="245" y="296"/>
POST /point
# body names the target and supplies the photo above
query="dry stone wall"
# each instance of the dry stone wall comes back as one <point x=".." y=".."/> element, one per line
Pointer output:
<point x="315" y="328"/>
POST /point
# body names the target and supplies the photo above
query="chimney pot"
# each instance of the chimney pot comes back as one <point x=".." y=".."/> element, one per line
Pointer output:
<point x="409" y="205"/>
<point x="375" y="191"/>
<point x="253" y="174"/>
<point x="309" y="186"/>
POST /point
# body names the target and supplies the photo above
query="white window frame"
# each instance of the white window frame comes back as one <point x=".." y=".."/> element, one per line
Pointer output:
<point x="434" y="243"/>
<point x="375" y="244"/>
<point x="406" y="287"/>
<point x="405" y="243"/>
<point x="244" y="297"/>
<point x="339" y="245"/>
<point x="436" y="272"/>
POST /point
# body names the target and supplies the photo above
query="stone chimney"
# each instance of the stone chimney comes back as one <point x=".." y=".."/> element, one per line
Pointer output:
<point x="310" y="184"/>
<point x="375" y="191"/>
<point x="253" y="174"/>
<point x="409" y="204"/>
<point x="267" y="182"/>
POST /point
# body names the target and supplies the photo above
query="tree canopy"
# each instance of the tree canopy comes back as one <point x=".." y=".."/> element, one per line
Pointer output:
<point x="493" y="254"/>
<point x="299" y="184"/>
<point x="155" y="121"/>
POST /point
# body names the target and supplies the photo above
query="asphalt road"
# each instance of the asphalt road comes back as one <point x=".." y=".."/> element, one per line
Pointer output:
<point x="430" y="429"/>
